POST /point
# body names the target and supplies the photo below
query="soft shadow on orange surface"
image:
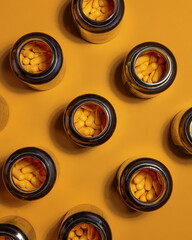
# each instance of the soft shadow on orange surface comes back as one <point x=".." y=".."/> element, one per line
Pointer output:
<point x="53" y="232"/>
<point x="172" y="151"/>
<point x="6" y="198"/>
<point x="9" y="80"/>
<point x="66" y="23"/>
<point x="59" y="137"/>
<point x="114" y="200"/>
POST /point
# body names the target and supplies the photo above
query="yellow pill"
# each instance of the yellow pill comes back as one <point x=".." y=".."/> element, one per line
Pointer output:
<point x="20" y="184"/>
<point x="139" y="193"/>
<point x="28" y="176"/>
<point x="38" y="49"/>
<point x="34" y="68"/>
<point x="79" y="124"/>
<point x="95" y="15"/>
<point x="27" y="68"/>
<point x="90" y="120"/>
<point x="79" y="232"/>
<point x="38" y="60"/>
<point x="87" y="108"/>
<point x="86" y="113"/>
<point x="150" y="195"/>
<point x="150" y="77"/>
<point x="161" y="60"/>
<point x="84" y="225"/>
<point x="140" y="75"/>
<point x="87" y="8"/>
<point x="148" y="182"/>
<point x="85" y="2"/>
<point x="29" y="169"/>
<point x="18" y="174"/>
<point x="140" y="185"/>
<point x="140" y="176"/>
<point x="103" y="3"/>
<point x="28" y="46"/>
<point x="22" y="163"/>
<point x="157" y="187"/>
<point x="141" y="68"/>
<point x="71" y="234"/>
<point x="133" y="187"/>
<point x="91" y="130"/>
<point x="77" y="115"/>
<point x="97" y="117"/>
<point x="141" y="60"/>
<point x="28" y="54"/>
<point x="150" y="68"/>
<point x="146" y="63"/>
<point x="21" y="58"/>
<point x="83" y="237"/>
<point x="43" y="66"/>
<point x="96" y="133"/>
<point x="158" y="73"/>
<point x="105" y="9"/>
<point x="143" y="197"/>
<point x="153" y="58"/>
<point x="93" y="10"/>
<point x="95" y="4"/>
<point x="90" y="232"/>
<point x="145" y="78"/>
<point x="85" y="131"/>
<point x="35" y="181"/>
<point x="96" y="127"/>
<point x="29" y="186"/>
<point x="83" y="117"/>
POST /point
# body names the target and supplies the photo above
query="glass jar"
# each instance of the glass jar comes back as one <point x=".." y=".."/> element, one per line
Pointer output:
<point x="4" y="113"/>
<point x="181" y="130"/>
<point x="152" y="180"/>
<point x="107" y="112"/>
<point x="29" y="173"/>
<point x="16" y="228"/>
<point x="40" y="80"/>
<point x="86" y="218"/>
<point x="140" y="88"/>
<point x="98" y="31"/>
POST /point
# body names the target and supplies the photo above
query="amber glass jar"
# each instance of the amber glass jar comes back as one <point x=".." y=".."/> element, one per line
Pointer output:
<point x="39" y="80"/>
<point x="16" y="228"/>
<point x="98" y="31"/>
<point x="139" y="87"/>
<point x="85" y="220"/>
<point x="29" y="173"/>
<point x="144" y="184"/>
<point x="4" y="113"/>
<point x="181" y="131"/>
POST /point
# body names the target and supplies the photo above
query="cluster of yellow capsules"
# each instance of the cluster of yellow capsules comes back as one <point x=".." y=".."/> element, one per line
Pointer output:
<point x="28" y="174"/>
<point x="146" y="185"/>
<point x="89" y="120"/>
<point x="150" y="67"/>
<point x="35" y="57"/>
<point x="98" y="10"/>
<point x="84" y="232"/>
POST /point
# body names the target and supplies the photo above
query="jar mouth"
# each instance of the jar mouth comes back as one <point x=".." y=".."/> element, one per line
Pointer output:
<point x="28" y="175"/>
<point x="150" y="190"/>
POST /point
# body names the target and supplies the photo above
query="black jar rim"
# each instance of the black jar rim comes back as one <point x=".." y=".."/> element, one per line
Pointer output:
<point x="45" y="76"/>
<point x="100" y="26"/>
<point x="88" y="218"/>
<point x="11" y="231"/>
<point x="188" y="125"/>
<point x="135" y="166"/>
<point x="109" y="111"/>
<point x="129" y="67"/>
<point x="48" y="164"/>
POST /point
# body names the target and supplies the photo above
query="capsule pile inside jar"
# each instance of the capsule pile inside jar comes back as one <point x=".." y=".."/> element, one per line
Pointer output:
<point x="4" y="238"/>
<point x="28" y="174"/>
<point x="98" y="10"/>
<point x="150" y="67"/>
<point x="146" y="185"/>
<point x="84" y="232"/>
<point x="35" y="57"/>
<point x="89" y="120"/>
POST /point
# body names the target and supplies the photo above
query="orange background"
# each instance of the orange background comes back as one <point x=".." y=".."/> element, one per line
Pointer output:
<point x="86" y="175"/>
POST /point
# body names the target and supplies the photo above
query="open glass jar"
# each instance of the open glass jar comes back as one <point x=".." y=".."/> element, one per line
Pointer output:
<point x="101" y="29"/>
<point x="16" y="228"/>
<point x="181" y="130"/>
<point x="4" y="113"/>
<point x="149" y="69"/>
<point x="37" y="59"/>
<point x="84" y="222"/>
<point x="29" y="173"/>
<point x="144" y="184"/>
<point x="89" y="120"/>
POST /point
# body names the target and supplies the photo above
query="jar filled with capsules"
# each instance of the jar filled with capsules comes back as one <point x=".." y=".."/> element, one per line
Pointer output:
<point x="98" y="20"/>
<point x="149" y="69"/>
<point x="84" y="222"/>
<point x="144" y="184"/>
<point x="29" y="173"/>
<point x="89" y="120"/>
<point x="37" y="60"/>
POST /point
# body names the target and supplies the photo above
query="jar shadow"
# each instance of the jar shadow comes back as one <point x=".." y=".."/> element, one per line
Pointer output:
<point x="9" y="80"/>
<point x="173" y="151"/>
<point x="53" y="231"/>
<point x="66" y="22"/>
<point x="114" y="201"/>
<point x="59" y="137"/>
<point x="116" y="84"/>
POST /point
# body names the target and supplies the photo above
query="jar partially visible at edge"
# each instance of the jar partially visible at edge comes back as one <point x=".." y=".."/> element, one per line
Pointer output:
<point x="4" y="113"/>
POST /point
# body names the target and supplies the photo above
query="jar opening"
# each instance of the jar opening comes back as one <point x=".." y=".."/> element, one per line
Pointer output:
<point x="90" y="120"/>
<point x="35" y="56"/>
<point x="147" y="185"/>
<point x="28" y="174"/>
<point x="85" y="231"/>
<point x="151" y="66"/>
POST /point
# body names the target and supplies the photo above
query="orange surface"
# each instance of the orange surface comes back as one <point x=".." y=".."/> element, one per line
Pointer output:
<point x="85" y="175"/>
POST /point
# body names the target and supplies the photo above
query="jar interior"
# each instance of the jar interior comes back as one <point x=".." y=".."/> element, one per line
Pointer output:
<point x="147" y="185"/>
<point x="35" y="57"/>
<point x="90" y="120"/>
<point x="85" y="231"/>
<point x="5" y="238"/>
<point x="28" y="174"/>
<point x="190" y="129"/>
<point x="151" y="66"/>
<point x="98" y="10"/>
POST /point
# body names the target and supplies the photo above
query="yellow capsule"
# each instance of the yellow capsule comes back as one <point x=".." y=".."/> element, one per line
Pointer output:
<point x="140" y="185"/>
<point x="90" y="120"/>
<point x="83" y="237"/>
<point x="77" y="115"/>
<point x="35" y="181"/>
<point x="93" y="10"/>
<point x="95" y="15"/>
<point x="158" y="73"/>
<point x="103" y="3"/>
<point x="38" y="60"/>
<point x="133" y="187"/>
<point x="153" y="58"/>
<point x="29" y="169"/>
<point x="22" y="163"/>
<point x="37" y="54"/>
<point x="28" y="176"/>
<point x="150" y="68"/>
<point x="90" y="232"/>
<point x="161" y="60"/>
<point x="140" y="68"/>
<point x="18" y="174"/>
<point x="21" y="58"/>
<point x="20" y="184"/>
<point x="148" y="182"/>
<point x="96" y="127"/>
<point x="105" y="9"/>
<point x="143" y="197"/>
<point x="38" y="49"/>
<point x="27" y="68"/>
<point x="29" y="186"/>
<point x="97" y="117"/>
<point x="91" y="130"/>
<point x="96" y="133"/>
<point x="150" y="77"/>
<point x="145" y="78"/>
<point x="95" y="4"/>
<point x="83" y="117"/>
<point x="71" y="234"/>
<point x="142" y="59"/>
<point x="25" y="61"/>
<point x="139" y="177"/>
<point x="85" y="131"/>
<point x="28" y="54"/>
<point x="34" y="68"/>
<point x="157" y="187"/>
<point x="139" y="193"/>
<point x="140" y="75"/>
<point x="79" y="124"/>
<point x="84" y="225"/>
<point x="86" y="113"/>
<point x="85" y="2"/>
<point x="150" y="195"/>
<point x="87" y="8"/>
<point x="79" y="232"/>
<point x="87" y="108"/>
<point x="43" y="66"/>
<point x="146" y="63"/>
<point x="28" y="46"/>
